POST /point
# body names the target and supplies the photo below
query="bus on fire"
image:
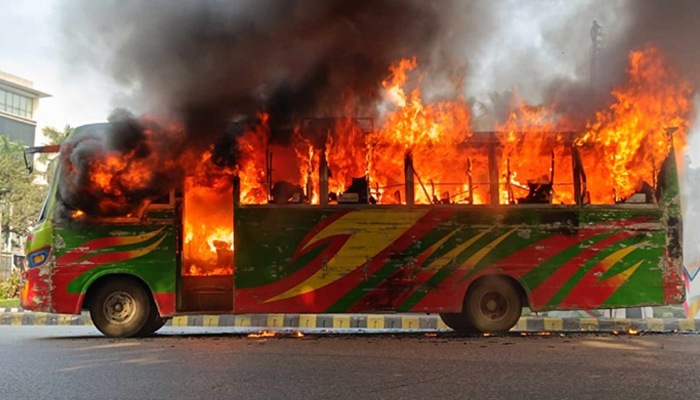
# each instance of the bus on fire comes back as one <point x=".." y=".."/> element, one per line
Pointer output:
<point x="476" y="256"/>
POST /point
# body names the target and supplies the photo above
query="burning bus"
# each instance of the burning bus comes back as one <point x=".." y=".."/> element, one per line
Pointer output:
<point x="475" y="264"/>
<point x="419" y="214"/>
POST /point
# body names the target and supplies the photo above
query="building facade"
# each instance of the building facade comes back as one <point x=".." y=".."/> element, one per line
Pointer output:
<point x="19" y="102"/>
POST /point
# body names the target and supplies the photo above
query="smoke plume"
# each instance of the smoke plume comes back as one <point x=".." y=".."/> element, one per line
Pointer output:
<point x="208" y="61"/>
<point x="112" y="170"/>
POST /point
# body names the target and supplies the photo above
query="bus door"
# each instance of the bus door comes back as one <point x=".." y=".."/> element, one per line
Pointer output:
<point x="206" y="272"/>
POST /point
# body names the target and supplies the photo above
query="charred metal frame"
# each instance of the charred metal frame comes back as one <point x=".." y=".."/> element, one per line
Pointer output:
<point x="268" y="174"/>
<point x="323" y="179"/>
<point x="494" y="190"/>
<point x="487" y="140"/>
<point x="408" y="179"/>
<point x="580" y="183"/>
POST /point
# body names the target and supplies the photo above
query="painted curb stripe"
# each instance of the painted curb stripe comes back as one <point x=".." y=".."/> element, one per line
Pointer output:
<point x="373" y="321"/>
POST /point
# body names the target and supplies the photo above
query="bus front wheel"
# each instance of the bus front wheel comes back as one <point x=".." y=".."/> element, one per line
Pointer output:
<point x="121" y="308"/>
<point x="155" y="322"/>
<point x="492" y="304"/>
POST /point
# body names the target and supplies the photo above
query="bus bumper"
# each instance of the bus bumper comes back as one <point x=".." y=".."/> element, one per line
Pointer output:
<point x="36" y="290"/>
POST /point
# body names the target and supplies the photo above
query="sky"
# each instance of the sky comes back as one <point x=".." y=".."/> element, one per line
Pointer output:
<point x="31" y="47"/>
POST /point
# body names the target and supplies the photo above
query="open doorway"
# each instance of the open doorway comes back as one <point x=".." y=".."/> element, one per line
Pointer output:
<point x="207" y="245"/>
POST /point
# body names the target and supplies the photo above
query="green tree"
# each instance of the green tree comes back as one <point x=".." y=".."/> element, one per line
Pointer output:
<point x="21" y="198"/>
<point x="53" y="136"/>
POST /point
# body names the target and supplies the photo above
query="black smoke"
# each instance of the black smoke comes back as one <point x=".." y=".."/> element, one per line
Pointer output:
<point x="673" y="25"/>
<point x="114" y="169"/>
<point x="543" y="49"/>
<point x="208" y="61"/>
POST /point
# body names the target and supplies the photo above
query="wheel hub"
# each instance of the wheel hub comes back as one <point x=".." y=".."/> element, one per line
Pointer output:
<point x="493" y="306"/>
<point x="119" y="308"/>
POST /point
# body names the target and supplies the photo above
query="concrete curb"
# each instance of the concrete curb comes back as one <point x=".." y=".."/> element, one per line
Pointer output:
<point x="373" y="321"/>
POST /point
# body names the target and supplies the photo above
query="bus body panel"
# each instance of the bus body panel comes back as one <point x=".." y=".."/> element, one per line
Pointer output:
<point x="81" y="254"/>
<point x="36" y="287"/>
<point x="422" y="259"/>
<point x="362" y="258"/>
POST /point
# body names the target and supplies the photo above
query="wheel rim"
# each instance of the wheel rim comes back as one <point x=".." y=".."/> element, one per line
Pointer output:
<point x="119" y="308"/>
<point x="493" y="306"/>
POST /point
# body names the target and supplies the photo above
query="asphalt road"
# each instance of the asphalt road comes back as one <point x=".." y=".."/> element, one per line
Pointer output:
<point x="44" y="362"/>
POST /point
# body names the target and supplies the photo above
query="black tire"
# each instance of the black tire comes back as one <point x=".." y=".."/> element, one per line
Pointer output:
<point x="458" y="322"/>
<point x="155" y="322"/>
<point x="121" y="307"/>
<point x="493" y="305"/>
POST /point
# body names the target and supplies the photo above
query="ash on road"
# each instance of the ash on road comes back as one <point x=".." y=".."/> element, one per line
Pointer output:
<point x="76" y="363"/>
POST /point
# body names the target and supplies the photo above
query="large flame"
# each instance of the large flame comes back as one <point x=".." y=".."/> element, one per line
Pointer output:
<point x="433" y="134"/>
<point x="627" y="143"/>
<point x="621" y="149"/>
<point x="530" y="144"/>
<point x="103" y="181"/>
<point x="252" y="148"/>
<point x="208" y="220"/>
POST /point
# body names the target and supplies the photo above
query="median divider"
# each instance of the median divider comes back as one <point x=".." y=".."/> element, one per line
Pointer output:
<point x="369" y="322"/>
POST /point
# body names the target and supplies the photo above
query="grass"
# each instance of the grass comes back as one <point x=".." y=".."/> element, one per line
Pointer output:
<point x="9" y="303"/>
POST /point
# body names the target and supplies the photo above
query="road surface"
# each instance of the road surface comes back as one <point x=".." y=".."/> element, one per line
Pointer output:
<point x="60" y="362"/>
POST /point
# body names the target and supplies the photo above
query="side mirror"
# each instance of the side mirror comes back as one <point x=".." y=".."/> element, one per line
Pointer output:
<point x="29" y="161"/>
<point x="29" y="154"/>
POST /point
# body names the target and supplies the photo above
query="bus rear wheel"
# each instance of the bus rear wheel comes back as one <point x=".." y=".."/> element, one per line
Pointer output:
<point x="492" y="305"/>
<point x="121" y="308"/>
<point x="458" y="322"/>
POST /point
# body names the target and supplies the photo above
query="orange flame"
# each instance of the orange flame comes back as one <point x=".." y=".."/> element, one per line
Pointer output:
<point x="252" y="146"/>
<point x="628" y="142"/>
<point x="432" y="133"/>
<point x="621" y="149"/>
<point x="262" y="334"/>
<point x="529" y="140"/>
<point x="208" y="220"/>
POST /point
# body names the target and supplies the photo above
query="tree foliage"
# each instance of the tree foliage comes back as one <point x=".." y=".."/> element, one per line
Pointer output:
<point x="21" y="197"/>
<point x="53" y="136"/>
